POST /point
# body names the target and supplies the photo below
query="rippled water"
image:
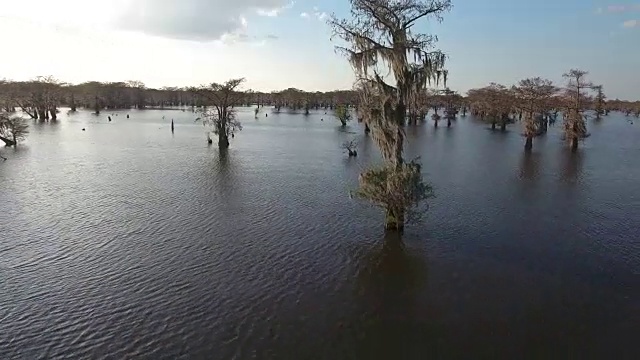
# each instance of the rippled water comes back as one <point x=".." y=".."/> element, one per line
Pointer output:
<point x="127" y="241"/>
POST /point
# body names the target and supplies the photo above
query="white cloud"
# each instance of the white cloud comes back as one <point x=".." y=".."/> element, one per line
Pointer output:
<point x="631" y="23"/>
<point x="619" y="8"/>
<point x="200" y="20"/>
<point x="273" y="12"/>
<point x="320" y="15"/>
<point x="269" y="13"/>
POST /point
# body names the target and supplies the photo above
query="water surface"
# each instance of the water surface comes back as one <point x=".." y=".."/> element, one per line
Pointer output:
<point x="128" y="241"/>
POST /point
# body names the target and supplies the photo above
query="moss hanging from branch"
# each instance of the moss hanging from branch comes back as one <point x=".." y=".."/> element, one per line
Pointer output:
<point x="380" y="37"/>
<point x="400" y="191"/>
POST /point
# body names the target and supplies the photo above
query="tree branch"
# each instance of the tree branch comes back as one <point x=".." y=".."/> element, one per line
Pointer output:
<point x="373" y="12"/>
<point x="437" y="9"/>
<point x="356" y="35"/>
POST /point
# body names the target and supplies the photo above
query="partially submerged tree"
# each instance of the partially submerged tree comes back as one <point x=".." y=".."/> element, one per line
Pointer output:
<point x="351" y="146"/>
<point x="343" y="114"/>
<point x="222" y="116"/>
<point x="533" y="98"/>
<point x="38" y="98"/>
<point x="380" y="36"/>
<point x="493" y="104"/>
<point x="576" y="97"/>
<point x="600" y="102"/>
<point x="434" y="101"/>
<point x="13" y="129"/>
<point x="451" y="102"/>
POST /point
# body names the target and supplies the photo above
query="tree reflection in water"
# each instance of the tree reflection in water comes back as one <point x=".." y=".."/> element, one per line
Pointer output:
<point x="572" y="164"/>
<point x="529" y="166"/>
<point x="389" y="284"/>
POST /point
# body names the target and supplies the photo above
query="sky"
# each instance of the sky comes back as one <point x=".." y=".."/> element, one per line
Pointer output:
<point x="277" y="44"/>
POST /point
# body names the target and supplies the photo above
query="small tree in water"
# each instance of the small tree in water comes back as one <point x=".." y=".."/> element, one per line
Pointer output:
<point x="222" y="115"/>
<point x="576" y="97"/>
<point x="379" y="35"/>
<point x="13" y="129"/>
<point x="343" y="114"/>
<point x="600" y="101"/>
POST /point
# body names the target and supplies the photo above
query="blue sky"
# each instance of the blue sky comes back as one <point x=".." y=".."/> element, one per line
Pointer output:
<point x="277" y="44"/>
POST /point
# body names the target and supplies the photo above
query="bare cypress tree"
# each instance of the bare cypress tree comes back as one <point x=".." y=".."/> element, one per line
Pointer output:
<point x="222" y="117"/>
<point x="379" y="35"/>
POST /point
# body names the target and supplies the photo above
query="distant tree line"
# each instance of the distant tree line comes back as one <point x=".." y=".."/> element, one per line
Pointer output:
<point x="41" y="97"/>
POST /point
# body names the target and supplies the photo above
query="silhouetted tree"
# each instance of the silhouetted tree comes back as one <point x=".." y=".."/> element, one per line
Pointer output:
<point x="222" y="117"/>
<point x="351" y="146"/>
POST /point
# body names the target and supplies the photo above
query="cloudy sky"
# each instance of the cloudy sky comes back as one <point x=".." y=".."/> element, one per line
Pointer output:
<point x="278" y="44"/>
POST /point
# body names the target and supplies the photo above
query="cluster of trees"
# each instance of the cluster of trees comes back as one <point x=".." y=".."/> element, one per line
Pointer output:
<point x="41" y="97"/>
<point x="537" y="102"/>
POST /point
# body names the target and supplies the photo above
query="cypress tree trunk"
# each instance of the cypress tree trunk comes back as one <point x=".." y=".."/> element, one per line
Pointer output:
<point x="394" y="219"/>
<point x="223" y="138"/>
<point x="223" y="141"/>
<point x="42" y="113"/>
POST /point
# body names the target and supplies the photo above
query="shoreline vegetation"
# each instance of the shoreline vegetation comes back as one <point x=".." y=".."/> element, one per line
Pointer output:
<point x="378" y="38"/>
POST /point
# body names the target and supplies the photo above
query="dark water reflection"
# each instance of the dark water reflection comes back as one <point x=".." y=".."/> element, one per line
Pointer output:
<point x="128" y="241"/>
<point x="389" y="283"/>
